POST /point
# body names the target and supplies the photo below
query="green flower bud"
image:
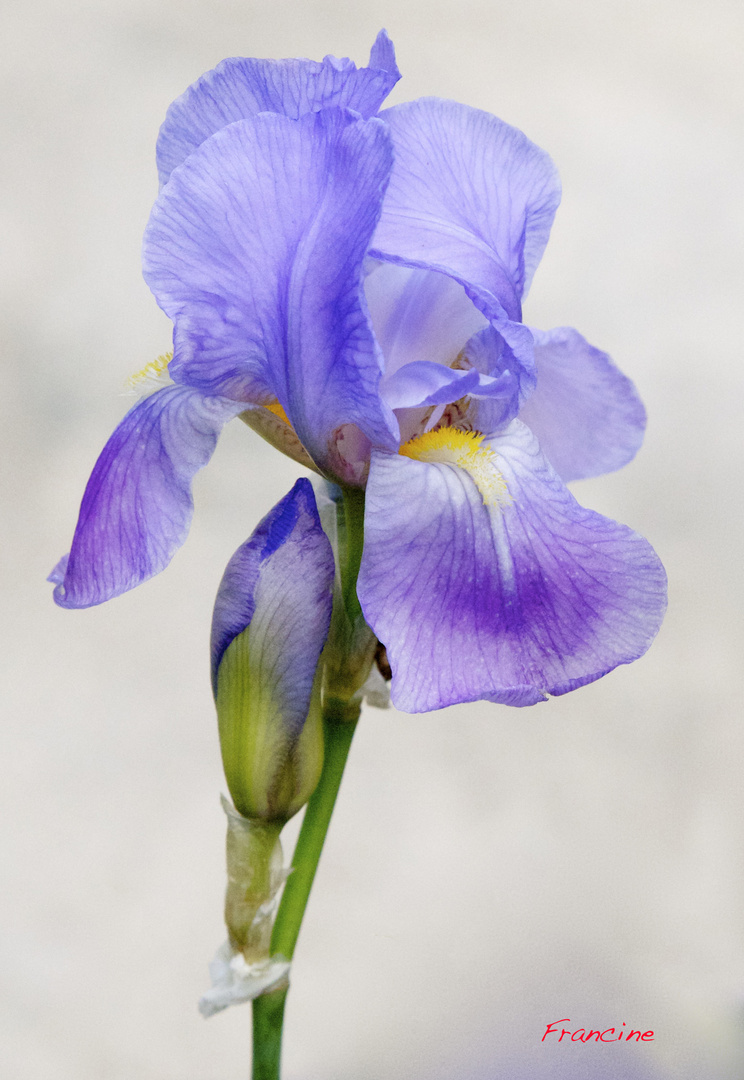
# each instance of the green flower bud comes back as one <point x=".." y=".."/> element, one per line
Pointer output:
<point x="271" y="620"/>
<point x="270" y="772"/>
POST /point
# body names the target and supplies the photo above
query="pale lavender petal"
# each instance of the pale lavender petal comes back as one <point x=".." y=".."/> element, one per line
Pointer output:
<point x="240" y="87"/>
<point x="506" y="602"/>
<point x="586" y="414"/>
<point x="280" y="582"/>
<point x="137" y="507"/>
<point x="419" y="315"/>
<point x="469" y="196"/>
<point x="489" y="353"/>
<point x="255" y="249"/>
<point x="424" y="383"/>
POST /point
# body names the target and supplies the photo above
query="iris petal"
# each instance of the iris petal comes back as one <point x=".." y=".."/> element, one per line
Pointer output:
<point x="531" y="596"/>
<point x="422" y="383"/>
<point x="240" y="87"/>
<point x="425" y="383"/>
<point x="137" y="507"/>
<point x="469" y="196"/>
<point x="586" y="414"/>
<point x="489" y="353"/>
<point x="255" y="250"/>
<point x="419" y="315"/>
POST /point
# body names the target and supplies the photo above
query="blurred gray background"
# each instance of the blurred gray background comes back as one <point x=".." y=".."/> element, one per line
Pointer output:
<point x="488" y="870"/>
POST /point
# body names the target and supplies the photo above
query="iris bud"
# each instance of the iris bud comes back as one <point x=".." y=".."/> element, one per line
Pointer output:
<point x="271" y="621"/>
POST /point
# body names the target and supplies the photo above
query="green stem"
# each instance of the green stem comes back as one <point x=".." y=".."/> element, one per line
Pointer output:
<point x="338" y="736"/>
<point x="351" y="543"/>
<point x="268" y="1018"/>
<point x="339" y="720"/>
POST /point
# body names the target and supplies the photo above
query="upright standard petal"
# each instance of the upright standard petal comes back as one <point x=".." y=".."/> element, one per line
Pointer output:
<point x="240" y="87"/>
<point x="586" y="414"/>
<point x="528" y="596"/>
<point x="469" y="196"/>
<point x="255" y="250"/>
<point x="137" y="507"/>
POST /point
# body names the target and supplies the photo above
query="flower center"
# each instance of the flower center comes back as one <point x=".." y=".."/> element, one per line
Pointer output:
<point x="450" y="446"/>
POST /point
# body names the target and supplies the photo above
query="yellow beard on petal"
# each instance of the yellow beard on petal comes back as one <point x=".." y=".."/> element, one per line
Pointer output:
<point x="464" y="449"/>
<point x="152" y="376"/>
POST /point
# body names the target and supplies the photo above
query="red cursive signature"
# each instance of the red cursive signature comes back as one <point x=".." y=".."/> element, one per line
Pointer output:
<point x="609" y="1035"/>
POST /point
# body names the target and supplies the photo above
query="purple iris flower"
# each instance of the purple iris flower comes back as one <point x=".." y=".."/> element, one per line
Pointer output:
<point x="350" y="282"/>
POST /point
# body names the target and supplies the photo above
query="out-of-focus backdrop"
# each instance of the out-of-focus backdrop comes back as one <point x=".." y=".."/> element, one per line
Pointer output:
<point x="489" y="870"/>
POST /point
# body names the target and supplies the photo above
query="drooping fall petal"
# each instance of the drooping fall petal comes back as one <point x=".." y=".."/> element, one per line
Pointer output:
<point x="137" y="506"/>
<point x="491" y="581"/>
